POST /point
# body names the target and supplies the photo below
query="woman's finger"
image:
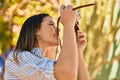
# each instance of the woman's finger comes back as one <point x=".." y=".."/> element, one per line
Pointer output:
<point x="62" y="8"/>
<point x="80" y="35"/>
<point x="69" y="6"/>
<point x="82" y="39"/>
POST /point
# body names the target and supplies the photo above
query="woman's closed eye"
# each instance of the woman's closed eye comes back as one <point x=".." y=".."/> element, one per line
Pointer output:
<point x="51" y="24"/>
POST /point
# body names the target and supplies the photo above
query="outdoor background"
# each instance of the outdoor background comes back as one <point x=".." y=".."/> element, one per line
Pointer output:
<point x="100" y="23"/>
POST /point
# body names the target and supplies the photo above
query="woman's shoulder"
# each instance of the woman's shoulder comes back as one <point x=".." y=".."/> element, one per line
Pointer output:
<point x="28" y="62"/>
<point x="35" y="52"/>
<point x="34" y="57"/>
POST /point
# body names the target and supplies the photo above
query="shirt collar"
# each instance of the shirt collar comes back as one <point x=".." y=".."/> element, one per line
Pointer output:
<point x="37" y="51"/>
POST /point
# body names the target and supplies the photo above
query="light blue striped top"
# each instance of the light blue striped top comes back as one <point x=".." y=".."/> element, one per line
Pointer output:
<point x="30" y="67"/>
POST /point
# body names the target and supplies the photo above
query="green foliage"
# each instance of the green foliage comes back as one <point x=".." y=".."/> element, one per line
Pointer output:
<point x="101" y="23"/>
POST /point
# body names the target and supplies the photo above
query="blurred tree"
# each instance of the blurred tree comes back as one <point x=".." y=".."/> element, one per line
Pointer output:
<point x="14" y="12"/>
<point x="101" y="23"/>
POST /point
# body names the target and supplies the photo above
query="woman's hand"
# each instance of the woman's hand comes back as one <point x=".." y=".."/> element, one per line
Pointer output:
<point x="83" y="73"/>
<point x="68" y="16"/>
<point x="81" y="40"/>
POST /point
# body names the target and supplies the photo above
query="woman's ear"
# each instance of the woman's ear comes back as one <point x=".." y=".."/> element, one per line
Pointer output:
<point x="37" y="32"/>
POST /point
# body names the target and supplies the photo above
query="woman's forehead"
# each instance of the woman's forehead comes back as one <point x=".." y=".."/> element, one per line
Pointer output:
<point x="48" y="19"/>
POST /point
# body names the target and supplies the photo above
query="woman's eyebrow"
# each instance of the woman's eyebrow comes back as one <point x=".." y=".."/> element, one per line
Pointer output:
<point x="51" y="21"/>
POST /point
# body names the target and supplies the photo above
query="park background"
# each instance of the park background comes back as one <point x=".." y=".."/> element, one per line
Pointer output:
<point x="100" y="23"/>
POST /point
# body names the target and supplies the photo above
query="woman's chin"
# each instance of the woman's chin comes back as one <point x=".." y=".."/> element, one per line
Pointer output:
<point x="54" y="44"/>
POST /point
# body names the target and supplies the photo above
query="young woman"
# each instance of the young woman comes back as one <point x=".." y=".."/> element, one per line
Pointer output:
<point x="38" y="33"/>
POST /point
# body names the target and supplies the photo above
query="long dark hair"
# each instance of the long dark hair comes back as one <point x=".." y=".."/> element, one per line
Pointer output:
<point x="27" y="39"/>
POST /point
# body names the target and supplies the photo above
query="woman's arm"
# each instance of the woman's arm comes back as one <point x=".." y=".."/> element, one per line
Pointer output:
<point x="67" y="63"/>
<point x="82" y="70"/>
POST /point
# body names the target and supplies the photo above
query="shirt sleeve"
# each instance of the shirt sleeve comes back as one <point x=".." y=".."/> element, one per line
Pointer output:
<point x="33" y="67"/>
<point x="48" y="69"/>
<point x="43" y="65"/>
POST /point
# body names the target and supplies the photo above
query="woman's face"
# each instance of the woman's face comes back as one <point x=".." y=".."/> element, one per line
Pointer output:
<point x="47" y="33"/>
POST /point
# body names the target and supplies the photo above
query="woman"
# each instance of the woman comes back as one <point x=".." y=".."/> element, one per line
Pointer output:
<point x="38" y="33"/>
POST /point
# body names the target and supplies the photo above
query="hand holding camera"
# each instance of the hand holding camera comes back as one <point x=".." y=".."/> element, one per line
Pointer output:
<point x="68" y="16"/>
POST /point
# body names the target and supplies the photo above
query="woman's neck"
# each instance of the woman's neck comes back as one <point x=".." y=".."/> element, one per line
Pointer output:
<point x="43" y="47"/>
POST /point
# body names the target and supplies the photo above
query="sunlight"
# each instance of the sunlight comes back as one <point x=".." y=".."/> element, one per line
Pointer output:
<point x="113" y="70"/>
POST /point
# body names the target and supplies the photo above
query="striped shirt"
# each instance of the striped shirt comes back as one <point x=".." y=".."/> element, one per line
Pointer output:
<point x="30" y="66"/>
